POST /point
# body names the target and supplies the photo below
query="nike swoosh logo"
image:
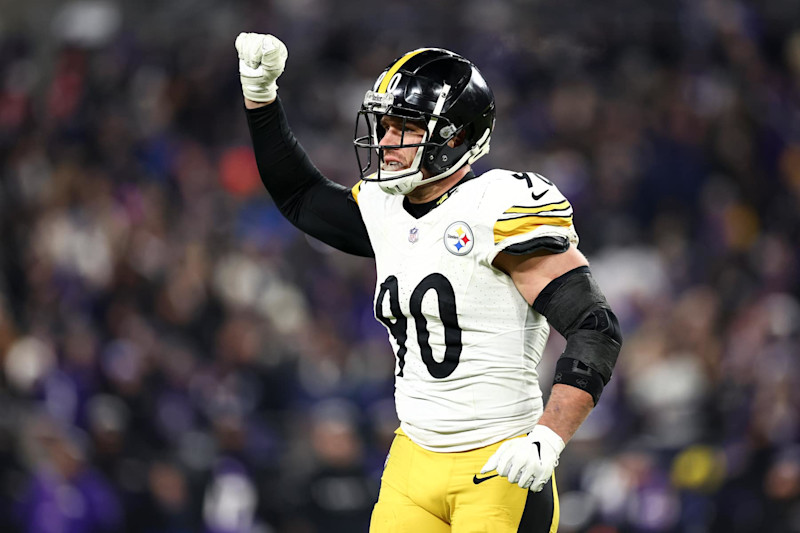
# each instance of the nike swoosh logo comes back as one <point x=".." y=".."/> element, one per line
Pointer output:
<point x="537" y="196"/>
<point x="478" y="481"/>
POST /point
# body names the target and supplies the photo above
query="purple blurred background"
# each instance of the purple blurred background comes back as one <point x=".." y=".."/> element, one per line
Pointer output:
<point x="175" y="357"/>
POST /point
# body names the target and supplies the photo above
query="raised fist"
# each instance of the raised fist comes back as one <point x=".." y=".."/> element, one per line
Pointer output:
<point x="261" y="60"/>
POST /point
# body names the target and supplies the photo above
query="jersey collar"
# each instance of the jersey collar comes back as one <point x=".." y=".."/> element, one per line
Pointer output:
<point x="420" y="210"/>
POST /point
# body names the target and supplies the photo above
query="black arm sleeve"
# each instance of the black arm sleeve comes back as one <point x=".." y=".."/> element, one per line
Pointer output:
<point x="314" y="204"/>
<point x="576" y="307"/>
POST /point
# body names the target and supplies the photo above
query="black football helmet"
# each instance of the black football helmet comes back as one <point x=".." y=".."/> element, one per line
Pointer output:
<point x="443" y="93"/>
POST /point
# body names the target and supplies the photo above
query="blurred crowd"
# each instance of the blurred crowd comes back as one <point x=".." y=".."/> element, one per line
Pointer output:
<point x="175" y="357"/>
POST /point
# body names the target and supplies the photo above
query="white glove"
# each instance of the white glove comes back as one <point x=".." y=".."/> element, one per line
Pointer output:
<point x="528" y="461"/>
<point x="261" y="61"/>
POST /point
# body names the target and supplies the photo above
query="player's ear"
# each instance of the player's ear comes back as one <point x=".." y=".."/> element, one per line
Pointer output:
<point x="458" y="140"/>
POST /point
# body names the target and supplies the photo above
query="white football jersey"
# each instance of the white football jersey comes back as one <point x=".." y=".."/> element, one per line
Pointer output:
<point x="466" y="342"/>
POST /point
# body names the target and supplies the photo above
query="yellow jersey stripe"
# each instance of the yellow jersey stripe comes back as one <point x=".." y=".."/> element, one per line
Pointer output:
<point x="504" y="229"/>
<point x="549" y="207"/>
<point x="356" y="189"/>
<point x="393" y="70"/>
<point x="556" y="506"/>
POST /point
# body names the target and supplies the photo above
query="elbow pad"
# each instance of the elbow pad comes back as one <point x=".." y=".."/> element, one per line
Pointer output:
<point x="574" y="305"/>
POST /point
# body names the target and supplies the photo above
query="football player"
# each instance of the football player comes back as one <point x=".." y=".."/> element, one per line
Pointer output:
<point x="471" y="269"/>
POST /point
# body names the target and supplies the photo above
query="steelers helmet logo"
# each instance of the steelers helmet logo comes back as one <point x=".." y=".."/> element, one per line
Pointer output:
<point x="458" y="238"/>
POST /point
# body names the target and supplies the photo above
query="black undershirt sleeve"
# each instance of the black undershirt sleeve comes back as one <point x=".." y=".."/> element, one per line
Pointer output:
<point x="314" y="204"/>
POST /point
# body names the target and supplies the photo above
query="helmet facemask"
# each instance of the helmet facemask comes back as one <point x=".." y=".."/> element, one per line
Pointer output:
<point x="433" y="151"/>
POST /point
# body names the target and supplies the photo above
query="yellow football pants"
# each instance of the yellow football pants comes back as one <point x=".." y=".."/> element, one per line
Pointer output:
<point x="432" y="492"/>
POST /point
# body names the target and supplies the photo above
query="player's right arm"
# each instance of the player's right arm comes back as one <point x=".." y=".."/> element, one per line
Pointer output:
<point x="323" y="209"/>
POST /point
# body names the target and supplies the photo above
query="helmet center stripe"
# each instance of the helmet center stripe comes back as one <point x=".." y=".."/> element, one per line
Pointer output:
<point x="392" y="71"/>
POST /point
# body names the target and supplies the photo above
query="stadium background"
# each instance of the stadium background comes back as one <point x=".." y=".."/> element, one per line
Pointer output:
<point x="175" y="358"/>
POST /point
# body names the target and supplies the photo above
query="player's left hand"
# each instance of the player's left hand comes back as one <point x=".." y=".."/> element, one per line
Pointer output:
<point x="528" y="461"/>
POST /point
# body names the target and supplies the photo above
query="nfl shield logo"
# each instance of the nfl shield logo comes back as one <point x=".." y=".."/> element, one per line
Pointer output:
<point x="413" y="235"/>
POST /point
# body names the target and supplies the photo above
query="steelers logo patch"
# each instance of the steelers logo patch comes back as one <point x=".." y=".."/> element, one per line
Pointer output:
<point x="458" y="238"/>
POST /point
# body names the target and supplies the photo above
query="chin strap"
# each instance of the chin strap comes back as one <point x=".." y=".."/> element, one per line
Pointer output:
<point x="402" y="185"/>
<point x="480" y="149"/>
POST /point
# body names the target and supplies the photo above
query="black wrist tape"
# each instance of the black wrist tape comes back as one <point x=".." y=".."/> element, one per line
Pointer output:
<point x="576" y="374"/>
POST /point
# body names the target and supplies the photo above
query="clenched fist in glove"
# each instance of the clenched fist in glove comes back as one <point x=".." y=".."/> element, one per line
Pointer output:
<point x="261" y="61"/>
<point x="528" y="461"/>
